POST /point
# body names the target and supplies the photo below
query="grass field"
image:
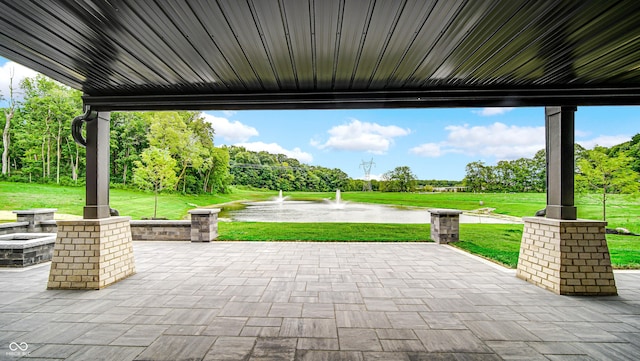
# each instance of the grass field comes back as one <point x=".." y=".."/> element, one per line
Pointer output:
<point x="325" y="232"/>
<point x="497" y="242"/>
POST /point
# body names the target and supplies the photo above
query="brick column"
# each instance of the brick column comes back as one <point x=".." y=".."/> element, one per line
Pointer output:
<point x="91" y="253"/>
<point x="445" y="225"/>
<point x="568" y="257"/>
<point x="204" y="224"/>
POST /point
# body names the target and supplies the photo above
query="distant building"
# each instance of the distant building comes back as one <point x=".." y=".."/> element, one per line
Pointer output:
<point x="449" y="189"/>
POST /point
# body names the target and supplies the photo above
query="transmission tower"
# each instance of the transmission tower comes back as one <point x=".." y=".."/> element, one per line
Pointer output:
<point x="366" y="166"/>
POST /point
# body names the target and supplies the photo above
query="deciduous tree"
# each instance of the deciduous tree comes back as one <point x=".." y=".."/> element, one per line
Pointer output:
<point x="8" y="116"/>
<point x="599" y="172"/>
<point x="155" y="171"/>
<point x="400" y="179"/>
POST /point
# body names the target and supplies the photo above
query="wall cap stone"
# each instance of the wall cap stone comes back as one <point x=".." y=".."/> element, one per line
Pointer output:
<point x="205" y="211"/>
<point x="32" y="240"/>
<point x="93" y="222"/>
<point x="35" y="211"/>
<point x="445" y="212"/>
<point x="558" y="222"/>
<point x="13" y="225"/>
<point x="161" y="223"/>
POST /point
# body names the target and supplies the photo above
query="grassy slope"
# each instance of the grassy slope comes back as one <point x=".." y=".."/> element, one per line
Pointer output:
<point x="136" y="204"/>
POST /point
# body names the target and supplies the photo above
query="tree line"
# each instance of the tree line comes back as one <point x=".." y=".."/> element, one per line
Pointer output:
<point x="38" y="146"/>
<point x="599" y="172"/>
<point x="279" y="172"/>
<point x="152" y="150"/>
<point x="520" y="175"/>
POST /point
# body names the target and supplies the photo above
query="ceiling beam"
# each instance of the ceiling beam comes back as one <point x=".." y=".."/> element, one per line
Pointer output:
<point x="424" y="98"/>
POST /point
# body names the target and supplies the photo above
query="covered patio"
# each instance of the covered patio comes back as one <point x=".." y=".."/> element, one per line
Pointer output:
<point x="314" y="301"/>
<point x="319" y="301"/>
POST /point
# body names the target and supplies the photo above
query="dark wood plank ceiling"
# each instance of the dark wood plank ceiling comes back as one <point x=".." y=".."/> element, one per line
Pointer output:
<point x="279" y="54"/>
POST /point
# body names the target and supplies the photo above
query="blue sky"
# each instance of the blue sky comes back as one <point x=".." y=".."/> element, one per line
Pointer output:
<point x="435" y="143"/>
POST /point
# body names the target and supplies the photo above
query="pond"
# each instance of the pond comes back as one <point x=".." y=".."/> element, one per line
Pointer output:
<point x="337" y="211"/>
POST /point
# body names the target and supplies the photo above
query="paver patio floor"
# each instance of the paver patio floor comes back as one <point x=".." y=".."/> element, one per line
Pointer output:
<point x="313" y="301"/>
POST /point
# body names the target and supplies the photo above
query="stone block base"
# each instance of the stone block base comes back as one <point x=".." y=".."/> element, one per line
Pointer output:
<point x="568" y="257"/>
<point x="91" y="253"/>
<point x="445" y="225"/>
<point x="204" y="224"/>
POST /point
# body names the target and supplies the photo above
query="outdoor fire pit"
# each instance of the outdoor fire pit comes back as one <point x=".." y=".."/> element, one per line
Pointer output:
<point x="26" y="249"/>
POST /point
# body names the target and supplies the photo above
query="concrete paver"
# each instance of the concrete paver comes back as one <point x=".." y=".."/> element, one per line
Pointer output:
<point x="313" y="301"/>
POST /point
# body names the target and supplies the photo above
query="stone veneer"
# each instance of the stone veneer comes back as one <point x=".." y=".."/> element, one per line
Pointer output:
<point x="204" y="224"/>
<point x="91" y="253"/>
<point x="161" y="230"/>
<point x="26" y="249"/>
<point x="35" y="217"/>
<point x="445" y="225"/>
<point x="568" y="257"/>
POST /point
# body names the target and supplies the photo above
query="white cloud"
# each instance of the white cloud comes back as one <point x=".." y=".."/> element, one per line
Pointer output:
<point x="504" y="142"/>
<point x="497" y="140"/>
<point x="229" y="113"/>
<point x="275" y="148"/>
<point x="19" y="72"/>
<point x="431" y="150"/>
<point x="488" y="112"/>
<point x="604" y="141"/>
<point x="232" y="131"/>
<point x="361" y="136"/>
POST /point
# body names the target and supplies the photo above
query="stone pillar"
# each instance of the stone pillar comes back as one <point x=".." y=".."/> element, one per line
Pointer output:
<point x="97" y="185"/>
<point x="204" y="224"/>
<point x="34" y="217"/>
<point x="445" y="225"/>
<point x="91" y="253"/>
<point x="567" y="257"/>
<point x="560" y="125"/>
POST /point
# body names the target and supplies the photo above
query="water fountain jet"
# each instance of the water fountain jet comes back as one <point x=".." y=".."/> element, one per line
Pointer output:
<point x="338" y="203"/>
<point x="280" y="198"/>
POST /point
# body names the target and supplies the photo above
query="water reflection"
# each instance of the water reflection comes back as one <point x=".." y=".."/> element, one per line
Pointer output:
<point x="308" y="211"/>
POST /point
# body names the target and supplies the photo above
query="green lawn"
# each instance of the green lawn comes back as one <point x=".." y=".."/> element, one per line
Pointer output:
<point x="625" y="251"/>
<point x="501" y="243"/>
<point x="133" y="203"/>
<point x="326" y="232"/>
<point x="497" y="242"/>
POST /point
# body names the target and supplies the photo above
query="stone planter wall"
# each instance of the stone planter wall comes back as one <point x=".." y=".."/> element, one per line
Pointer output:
<point x="203" y="227"/>
<point x="25" y="249"/>
<point x="13" y="227"/>
<point x="161" y="230"/>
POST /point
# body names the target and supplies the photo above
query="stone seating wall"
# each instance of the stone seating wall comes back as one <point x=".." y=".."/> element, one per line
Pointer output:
<point x="145" y="230"/>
